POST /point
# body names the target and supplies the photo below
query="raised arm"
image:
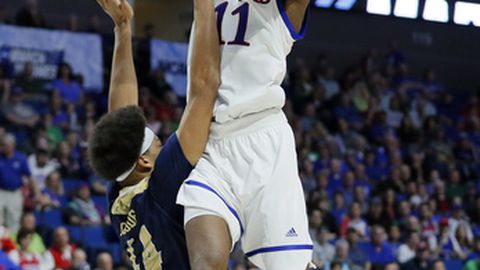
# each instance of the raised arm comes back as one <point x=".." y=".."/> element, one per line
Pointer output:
<point x="204" y="80"/>
<point x="123" y="81"/>
<point x="296" y="11"/>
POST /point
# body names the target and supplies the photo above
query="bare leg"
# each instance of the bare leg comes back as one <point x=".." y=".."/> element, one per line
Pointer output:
<point x="209" y="243"/>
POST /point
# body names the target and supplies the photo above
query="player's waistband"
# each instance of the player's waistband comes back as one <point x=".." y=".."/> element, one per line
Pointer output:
<point x="248" y="124"/>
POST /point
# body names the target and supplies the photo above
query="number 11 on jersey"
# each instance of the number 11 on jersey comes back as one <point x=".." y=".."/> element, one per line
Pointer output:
<point x="242" y="11"/>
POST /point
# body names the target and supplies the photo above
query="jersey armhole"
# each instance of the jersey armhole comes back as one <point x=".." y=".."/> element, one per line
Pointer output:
<point x="294" y="34"/>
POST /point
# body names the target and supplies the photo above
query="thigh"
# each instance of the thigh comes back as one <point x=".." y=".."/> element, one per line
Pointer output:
<point x="208" y="242"/>
<point x="207" y="192"/>
<point x="276" y="218"/>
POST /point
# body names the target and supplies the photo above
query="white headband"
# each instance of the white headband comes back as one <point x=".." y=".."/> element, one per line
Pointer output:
<point x="147" y="142"/>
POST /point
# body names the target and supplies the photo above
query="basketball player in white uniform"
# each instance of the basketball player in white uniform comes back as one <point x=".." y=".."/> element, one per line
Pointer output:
<point x="246" y="186"/>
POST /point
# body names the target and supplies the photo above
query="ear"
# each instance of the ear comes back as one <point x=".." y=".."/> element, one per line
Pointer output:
<point x="144" y="164"/>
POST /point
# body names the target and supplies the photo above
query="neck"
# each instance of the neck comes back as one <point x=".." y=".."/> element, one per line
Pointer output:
<point x="134" y="179"/>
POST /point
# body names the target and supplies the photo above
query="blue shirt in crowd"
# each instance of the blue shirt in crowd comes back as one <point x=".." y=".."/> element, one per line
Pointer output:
<point x="6" y="263"/>
<point x="70" y="92"/>
<point x="383" y="256"/>
<point x="12" y="170"/>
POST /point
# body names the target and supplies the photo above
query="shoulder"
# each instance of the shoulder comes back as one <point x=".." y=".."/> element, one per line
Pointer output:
<point x="172" y="155"/>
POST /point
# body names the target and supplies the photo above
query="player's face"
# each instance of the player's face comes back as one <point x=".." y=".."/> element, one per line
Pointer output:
<point x="154" y="149"/>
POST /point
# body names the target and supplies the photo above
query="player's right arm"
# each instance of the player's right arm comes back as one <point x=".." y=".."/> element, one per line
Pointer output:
<point x="123" y="81"/>
<point x="204" y="81"/>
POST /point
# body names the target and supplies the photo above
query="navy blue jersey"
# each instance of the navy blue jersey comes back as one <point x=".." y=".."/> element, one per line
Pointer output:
<point x="146" y="217"/>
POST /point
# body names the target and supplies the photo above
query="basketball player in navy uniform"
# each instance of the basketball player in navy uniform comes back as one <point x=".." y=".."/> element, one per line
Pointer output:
<point x="146" y="176"/>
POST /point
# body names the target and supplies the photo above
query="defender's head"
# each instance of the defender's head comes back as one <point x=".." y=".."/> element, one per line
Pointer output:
<point x="121" y="145"/>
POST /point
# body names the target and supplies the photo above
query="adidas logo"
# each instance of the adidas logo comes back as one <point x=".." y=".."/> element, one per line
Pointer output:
<point x="291" y="233"/>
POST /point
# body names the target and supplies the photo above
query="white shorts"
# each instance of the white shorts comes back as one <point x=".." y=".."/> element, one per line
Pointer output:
<point x="248" y="176"/>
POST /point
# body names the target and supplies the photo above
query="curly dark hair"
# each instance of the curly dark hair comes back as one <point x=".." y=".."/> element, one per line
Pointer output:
<point x="116" y="141"/>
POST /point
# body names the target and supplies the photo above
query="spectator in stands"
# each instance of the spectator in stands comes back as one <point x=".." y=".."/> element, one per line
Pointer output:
<point x="28" y="223"/>
<point x="14" y="172"/>
<point x="34" y="88"/>
<point x="53" y="193"/>
<point x="69" y="165"/>
<point x="70" y="90"/>
<point x="395" y="238"/>
<point x="354" y="220"/>
<point x="27" y="259"/>
<point x="459" y="243"/>
<point x="323" y="251"/>
<point x="61" y="249"/>
<point x="83" y="211"/>
<point x="376" y="214"/>
<point x="357" y="254"/>
<point x="29" y="15"/>
<point x="422" y="259"/>
<point x="19" y="115"/>
<point x="406" y="251"/>
<point x="379" y="251"/>
<point x="341" y="257"/>
<point x="41" y="165"/>
<point x="79" y="260"/>
<point x="104" y="261"/>
<point x="329" y="82"/>
<point x="457" y="219"/>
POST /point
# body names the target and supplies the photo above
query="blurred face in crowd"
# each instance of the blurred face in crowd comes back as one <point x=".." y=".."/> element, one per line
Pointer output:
<point x="84" y="193"/>
<point x="414" y="240"/>
<point x="352" y="236"/>
<point x="25" y="242"/>
<point x="438" y="265"/>
<point x="390" y="197"/>
<point x="336" y="166"/>
<point x="61" y="237"/>
<point x="339" y="201"/>
<point x="425" y="211"/>
<point x="413" y="224"/>
<point x="341" y="251"/>
<point x="316" y="218"/>
<point x="53" y="181"/>
<point x="65" y="72"/>
<point x="42" y="158"/>
<point x="28" y="222"/>
<point x="392" y="266"/>
<point x="8" y="144"/>
<point x="461" y="233"/>
<point x="405" y="209"/>
<point x="378" y="236"/>
<point x="79" y="258"/>
<point x="355" y="210"/>
<point x="395" y="234"/>
<point x="104" y="261"/>
<point x="349" y="179"/>
<point x="359" y="194"/>
<point x="455" y="177"/>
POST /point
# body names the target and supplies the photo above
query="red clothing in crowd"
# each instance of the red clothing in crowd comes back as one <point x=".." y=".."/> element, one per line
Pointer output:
<point x="62" y="258"/>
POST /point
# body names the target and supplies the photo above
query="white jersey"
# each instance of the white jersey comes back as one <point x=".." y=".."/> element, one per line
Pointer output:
<point x="256" y="37"/>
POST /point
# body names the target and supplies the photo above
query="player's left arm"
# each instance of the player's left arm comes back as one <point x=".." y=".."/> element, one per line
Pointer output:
<point x="296" y="12"/>
<point x="123" y="81"/>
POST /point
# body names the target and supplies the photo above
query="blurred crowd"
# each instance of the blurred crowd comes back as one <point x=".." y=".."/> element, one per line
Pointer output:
<point x="388" y="160"/>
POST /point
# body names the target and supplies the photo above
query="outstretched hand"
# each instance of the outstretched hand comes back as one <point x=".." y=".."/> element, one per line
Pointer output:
<point x="119" y="10"/>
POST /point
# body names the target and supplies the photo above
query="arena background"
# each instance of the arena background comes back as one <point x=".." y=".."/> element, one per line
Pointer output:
<point x="384" y="108"/>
